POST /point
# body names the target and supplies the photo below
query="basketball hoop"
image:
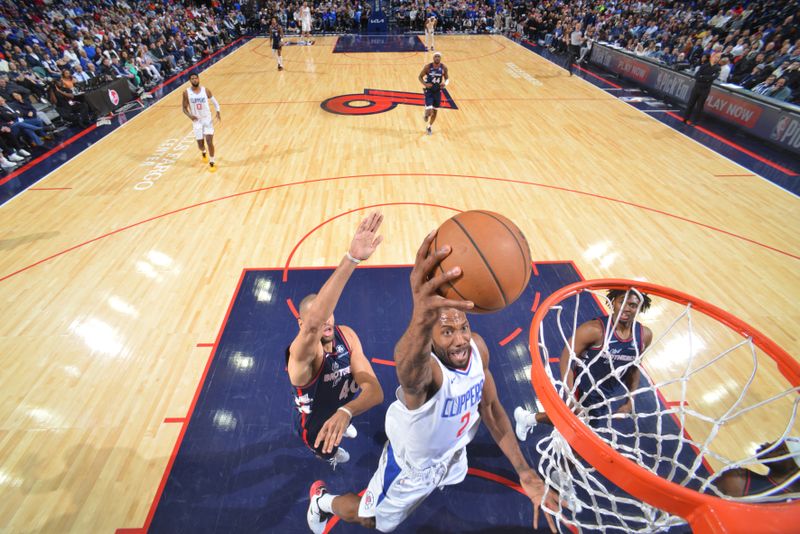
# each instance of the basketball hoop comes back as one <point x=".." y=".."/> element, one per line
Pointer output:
<point x="682" y="491"/>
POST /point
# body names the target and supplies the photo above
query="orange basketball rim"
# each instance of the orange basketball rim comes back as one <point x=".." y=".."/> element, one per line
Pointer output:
<point x="706" y="514"/>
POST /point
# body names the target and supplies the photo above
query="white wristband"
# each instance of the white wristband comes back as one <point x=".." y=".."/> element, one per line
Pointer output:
<point x="348" y="412"/>
<point x="356" y="261"/>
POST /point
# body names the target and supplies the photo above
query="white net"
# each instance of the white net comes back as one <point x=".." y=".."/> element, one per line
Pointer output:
<point x="706" y="402"/>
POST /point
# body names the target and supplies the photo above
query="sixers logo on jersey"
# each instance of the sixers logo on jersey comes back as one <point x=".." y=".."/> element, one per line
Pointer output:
<point x="373" y="101"/>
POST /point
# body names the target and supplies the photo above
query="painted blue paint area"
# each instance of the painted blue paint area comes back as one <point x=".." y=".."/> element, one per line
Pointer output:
<point x="378" y="43"/>
<point x="242" y="467"/>
<point x="752" y="144"/>
<point x="28" y="178"/>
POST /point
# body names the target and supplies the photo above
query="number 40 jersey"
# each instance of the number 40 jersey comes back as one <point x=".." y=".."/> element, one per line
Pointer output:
<point x="332" y="387"/>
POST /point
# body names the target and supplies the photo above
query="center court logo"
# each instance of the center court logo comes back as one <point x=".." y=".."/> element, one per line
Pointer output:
<point x="373" y="101"/>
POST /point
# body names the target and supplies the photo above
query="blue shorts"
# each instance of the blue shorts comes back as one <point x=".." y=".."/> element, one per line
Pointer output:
<point x="433" y="98"/>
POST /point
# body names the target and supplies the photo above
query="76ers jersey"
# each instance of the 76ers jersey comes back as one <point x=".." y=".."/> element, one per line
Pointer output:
<point x="446" y="423"/>
<point x="620" y="352"/>
<point x="198" y="103"/>
<point x="435" y="76"/>
<point x="275" y="33"/>
<point x="333" y="386"/>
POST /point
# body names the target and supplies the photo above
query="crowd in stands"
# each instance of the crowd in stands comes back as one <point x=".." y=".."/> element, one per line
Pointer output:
<point x="326" y="17"/>
<point x="51" y="51"/>
<point x="759" y="42"/>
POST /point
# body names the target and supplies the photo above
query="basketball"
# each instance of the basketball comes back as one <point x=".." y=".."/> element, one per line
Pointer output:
<point x="494" y="257"/>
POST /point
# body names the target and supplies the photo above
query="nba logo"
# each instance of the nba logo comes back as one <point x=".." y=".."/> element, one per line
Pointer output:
<point x="780" y="127"/>
<point x="113" y="96"/>
<point x="369" y="499"/>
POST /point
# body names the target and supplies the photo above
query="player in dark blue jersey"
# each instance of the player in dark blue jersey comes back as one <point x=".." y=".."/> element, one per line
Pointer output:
<point x="783" y="461"/>
<point x="326" y="363"/>
<point x="434" y="77"/>
<point x="628" y="340"/>
<point x="276" y="35"/>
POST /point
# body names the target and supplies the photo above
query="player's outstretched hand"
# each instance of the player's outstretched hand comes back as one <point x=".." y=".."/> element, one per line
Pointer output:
<point x="425" y="282"/>
<point x="366" y="241"/>
<point x="535" y="490"/>
<point x="330" y="435"/>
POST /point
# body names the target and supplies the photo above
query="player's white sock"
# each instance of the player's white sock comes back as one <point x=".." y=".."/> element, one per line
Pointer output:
<point x="325" y="503"/>
<point x="211" y="159"/>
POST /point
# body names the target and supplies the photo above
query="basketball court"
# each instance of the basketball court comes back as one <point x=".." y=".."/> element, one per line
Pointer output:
<point x="148" y="302"/>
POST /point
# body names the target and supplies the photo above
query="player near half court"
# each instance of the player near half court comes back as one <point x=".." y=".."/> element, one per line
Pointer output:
<point x="434" y="77"/>
<point x="430" y="27"/>
<point x="197" y="102"/>
<point x="446" y="389"/>
<point x="276" y="36"/>
<point x="305" y="24"/>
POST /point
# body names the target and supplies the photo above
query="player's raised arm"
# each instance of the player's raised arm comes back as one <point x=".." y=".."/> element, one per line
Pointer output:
<point x="312" y="318"/>
<point x="418" y="374"/>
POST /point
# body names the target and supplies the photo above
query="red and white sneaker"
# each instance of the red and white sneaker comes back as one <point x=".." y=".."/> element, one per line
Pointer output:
<point x="317" y="519"/>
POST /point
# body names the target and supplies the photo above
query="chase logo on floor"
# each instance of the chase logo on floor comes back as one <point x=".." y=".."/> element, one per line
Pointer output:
<point x="373" y="101"/>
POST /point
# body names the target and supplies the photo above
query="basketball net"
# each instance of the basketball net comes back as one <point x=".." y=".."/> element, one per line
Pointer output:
<point x="666" y="471"/>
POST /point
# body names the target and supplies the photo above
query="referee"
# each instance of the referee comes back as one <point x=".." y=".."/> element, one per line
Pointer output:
<point x="575" y="42"/>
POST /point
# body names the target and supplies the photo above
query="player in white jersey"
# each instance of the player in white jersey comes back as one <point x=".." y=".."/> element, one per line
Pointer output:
<point x="446" y="388"/>
<point x="430" y="26"/>
<point x="197" y="102"/>
<point x="305" y="22"/>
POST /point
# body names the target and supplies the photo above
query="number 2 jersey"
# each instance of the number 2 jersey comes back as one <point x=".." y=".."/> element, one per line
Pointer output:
<point x="446" y="423"/>
<point x="332" y="387"/>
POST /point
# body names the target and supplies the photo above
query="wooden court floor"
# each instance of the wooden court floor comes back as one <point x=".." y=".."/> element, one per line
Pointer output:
<point x="108" y="288"/>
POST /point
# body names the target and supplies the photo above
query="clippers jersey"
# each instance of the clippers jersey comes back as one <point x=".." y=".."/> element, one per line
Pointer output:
<point x="620" y="352"/>
<point x="333" y="386"/>
<point x="198" y="103"/>
<point x="445" y="424"/>
<point x="435" y="76"/>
